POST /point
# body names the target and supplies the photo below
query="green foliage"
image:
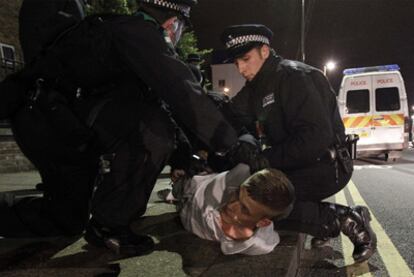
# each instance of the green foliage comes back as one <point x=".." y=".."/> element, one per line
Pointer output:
<point x="111" y="6"/>
<point x="188" y="45"/>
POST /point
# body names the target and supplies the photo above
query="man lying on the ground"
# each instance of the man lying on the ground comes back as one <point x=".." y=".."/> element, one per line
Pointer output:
<point x="235" y="209"/>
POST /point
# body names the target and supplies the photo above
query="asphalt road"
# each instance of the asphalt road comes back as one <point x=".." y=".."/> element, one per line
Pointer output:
<point x="387" y="188"/>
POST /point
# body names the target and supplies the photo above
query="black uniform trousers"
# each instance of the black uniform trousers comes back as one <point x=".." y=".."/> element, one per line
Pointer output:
<point x="312" y="185"/>
<point x="140" y="135"/>
<point x="67" y="174"/>
<point x="142" y="138"/>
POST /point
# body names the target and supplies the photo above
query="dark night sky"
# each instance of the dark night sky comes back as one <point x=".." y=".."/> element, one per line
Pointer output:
<point x="354" y="33"/>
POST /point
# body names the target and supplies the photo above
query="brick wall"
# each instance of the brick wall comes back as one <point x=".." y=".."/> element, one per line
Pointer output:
<point x="9" y="24"/>
<point x="11" y="158"/>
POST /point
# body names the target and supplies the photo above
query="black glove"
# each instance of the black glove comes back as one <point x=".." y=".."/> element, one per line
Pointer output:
<point x="197" y="166"/>
<point x="49" y="99"/>
<point x="247" y="151"/>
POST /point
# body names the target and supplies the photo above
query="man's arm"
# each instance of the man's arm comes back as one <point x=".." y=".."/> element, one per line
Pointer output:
<point x="236" y="176"/>
<point x="143" y="49"/>
<point x="239" y="112"/>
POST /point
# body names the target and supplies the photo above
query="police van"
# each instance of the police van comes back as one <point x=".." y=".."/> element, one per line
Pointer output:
<point x="373" y="104"/>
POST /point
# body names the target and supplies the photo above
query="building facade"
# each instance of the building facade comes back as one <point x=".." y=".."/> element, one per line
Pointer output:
<point x="11" y="159"/>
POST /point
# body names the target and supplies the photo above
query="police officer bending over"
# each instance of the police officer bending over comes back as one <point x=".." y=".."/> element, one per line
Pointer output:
<point x="91" y="109"/>
<point x="294" y="110"/>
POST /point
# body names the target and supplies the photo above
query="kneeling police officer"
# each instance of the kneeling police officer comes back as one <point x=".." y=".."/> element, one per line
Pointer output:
<point x="294" y="110"/>
<point x="94" y="108"/>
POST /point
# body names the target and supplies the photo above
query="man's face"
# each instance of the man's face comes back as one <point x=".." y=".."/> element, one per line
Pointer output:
<point x="244" y="212"/>
<point x="250" y="63"/>
<point x="175" y="28"/>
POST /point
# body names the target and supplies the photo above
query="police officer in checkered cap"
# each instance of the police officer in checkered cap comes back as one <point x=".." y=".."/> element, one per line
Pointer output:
<point x="101" y="120"/>
<point x="293" y="106"/>
<point x="161" y="9"/>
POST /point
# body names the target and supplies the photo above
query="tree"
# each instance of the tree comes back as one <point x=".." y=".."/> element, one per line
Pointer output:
<point x="187" y="44"/>
<point x="109" y="6"/>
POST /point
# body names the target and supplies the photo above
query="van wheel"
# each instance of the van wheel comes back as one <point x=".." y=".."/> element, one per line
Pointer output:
<point x="386" y="157"/>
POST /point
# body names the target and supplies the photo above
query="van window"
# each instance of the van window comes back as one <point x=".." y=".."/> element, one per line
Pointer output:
<point x="387" y="99"/>
<point x="357" y="101"/>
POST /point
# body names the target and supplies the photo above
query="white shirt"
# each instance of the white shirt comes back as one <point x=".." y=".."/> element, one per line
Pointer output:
<point x="200" y="215"/>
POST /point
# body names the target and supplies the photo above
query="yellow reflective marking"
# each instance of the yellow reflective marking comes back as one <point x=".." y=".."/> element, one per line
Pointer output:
<point x="398" y="118"/>
<point x="357" y="121"/>
<point x="394" y="263"/>
<point x="349" y="120"/>
<point x="352" y="269"/>
<point x="364" y="122"/>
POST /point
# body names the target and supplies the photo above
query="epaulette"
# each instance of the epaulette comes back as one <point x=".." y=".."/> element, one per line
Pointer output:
<point x="294" y="66"/>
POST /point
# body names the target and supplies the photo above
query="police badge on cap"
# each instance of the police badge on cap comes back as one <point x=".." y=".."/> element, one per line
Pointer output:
<point x="181" y="6"/>
<point x="239" y="39"/>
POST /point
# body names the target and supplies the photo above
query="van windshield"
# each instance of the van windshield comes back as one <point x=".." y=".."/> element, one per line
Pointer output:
<point x="357" y="101"/>
<point x="387" y="99"/>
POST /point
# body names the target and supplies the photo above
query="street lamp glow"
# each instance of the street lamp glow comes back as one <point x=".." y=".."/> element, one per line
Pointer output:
<point x="328" y="66"/>
<point x="226" y="90"/>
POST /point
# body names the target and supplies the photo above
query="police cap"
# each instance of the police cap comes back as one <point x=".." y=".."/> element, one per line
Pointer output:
<point x="239" y="39"/>
<point x="193" y="58"/>
<point x="182" y="7"/>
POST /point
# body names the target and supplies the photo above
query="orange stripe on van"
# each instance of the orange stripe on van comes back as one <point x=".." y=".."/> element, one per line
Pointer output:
<point x="398" y="118"/>
<point x="376" y="120"/>
<point x="388" y="120"/>
<point x="356" y="121"/>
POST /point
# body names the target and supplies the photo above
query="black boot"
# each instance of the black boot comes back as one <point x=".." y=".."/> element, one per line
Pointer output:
<point x="355" y="224"/>
<point x="122" y="241"/>
<point x="331" y="228"/>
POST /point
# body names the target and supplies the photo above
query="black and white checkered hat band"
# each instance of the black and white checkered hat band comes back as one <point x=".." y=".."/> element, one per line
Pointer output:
<point x="185" y="10"/>
<point x="246" y="39"/>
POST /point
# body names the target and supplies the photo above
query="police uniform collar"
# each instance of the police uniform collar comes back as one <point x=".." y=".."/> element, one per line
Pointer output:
<point x="272" y="61"/>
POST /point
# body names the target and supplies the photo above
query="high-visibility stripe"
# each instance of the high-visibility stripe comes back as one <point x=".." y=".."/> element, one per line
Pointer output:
<point x="388" y="120"/>
<point x="365" y="122"/>
<point x="356" y="121"/>
<point x="397" y="118"/>
<point x="376" y="120"/>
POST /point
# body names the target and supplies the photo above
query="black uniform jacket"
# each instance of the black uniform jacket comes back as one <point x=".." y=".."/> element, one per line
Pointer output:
<point x="105" y="51"/>
<point x="297" y="108"/>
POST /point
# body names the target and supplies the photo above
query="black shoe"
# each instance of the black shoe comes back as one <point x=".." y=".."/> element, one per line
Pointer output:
<point x="122" y="241"/>
<point x="319" y="242"/>
<point x="355" y="224"/>
<point x="40" y="187"/>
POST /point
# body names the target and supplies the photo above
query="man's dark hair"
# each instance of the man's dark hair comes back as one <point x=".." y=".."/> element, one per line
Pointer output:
<point x="158" y="13"/>
<point x="273" y="189"/>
